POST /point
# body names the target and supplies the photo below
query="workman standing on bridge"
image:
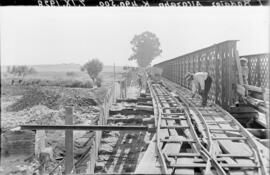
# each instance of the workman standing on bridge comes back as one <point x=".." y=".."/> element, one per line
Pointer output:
<point x="139" y="79"/>
<point x="245" y="70"/>
<point x="201" y="82"/>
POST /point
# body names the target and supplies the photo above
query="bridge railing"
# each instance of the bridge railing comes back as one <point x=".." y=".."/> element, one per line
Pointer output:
<point x="258" y="65"/>
<point x="110" y="98"/>
<point x="219" y="60"/>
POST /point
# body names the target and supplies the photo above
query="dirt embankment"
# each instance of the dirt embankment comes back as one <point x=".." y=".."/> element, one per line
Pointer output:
<point x="56" y="97"/>
<point x="45" y="106"/>
<point x="40" y="105"/>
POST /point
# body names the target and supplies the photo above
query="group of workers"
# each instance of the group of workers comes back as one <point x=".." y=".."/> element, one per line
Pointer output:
<point x="201" y="81"/>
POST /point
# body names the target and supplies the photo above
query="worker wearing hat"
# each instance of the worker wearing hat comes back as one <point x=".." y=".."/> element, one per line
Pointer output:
<point x="245" y="70"/>
<point x="201" y="82"/>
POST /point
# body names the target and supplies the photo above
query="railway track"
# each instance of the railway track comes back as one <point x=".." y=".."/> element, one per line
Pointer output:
<point x="194" y="140"/>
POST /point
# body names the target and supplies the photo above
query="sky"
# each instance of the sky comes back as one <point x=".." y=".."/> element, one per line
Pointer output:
<point x="35" y="35"/>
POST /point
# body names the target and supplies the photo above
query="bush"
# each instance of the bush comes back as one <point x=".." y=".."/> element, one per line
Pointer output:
<point x="61" y="83"/>
<point x="45" y="83"/>
<point x="76" y="83"/>
<point x="88" y="84"/>
<point x="71" y="74"/>
<point x="93" y="68"/>
<point x="21" y="70"/>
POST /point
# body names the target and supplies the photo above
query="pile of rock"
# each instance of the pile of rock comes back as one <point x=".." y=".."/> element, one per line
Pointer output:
<point x="35" y="97"/>
<point x="36" y="115"/>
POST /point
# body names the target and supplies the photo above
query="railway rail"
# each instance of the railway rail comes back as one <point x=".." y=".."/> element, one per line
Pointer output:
<point x="200" y="140"/>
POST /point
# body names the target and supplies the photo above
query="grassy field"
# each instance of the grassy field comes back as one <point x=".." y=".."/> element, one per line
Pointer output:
<point x="59" y="72"/>
<point x="66" y="68"/>
<point x="77" y="79"/>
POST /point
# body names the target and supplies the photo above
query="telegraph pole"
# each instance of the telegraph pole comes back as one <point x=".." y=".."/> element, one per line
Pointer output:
<point x="114" y="88"/>
<point x="113" y="72"/>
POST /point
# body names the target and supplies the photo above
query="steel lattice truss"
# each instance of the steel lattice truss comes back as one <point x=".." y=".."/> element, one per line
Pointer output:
<point x="258" y="70"/>
<point x="218" y="60"/>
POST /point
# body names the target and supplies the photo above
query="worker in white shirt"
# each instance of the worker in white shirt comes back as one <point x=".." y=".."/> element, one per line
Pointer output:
<point x="245" y="69"/>
<point x="201" y="82"/>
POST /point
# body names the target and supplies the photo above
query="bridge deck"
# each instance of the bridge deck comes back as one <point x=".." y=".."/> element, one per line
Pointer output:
<point x="192" y="139"/>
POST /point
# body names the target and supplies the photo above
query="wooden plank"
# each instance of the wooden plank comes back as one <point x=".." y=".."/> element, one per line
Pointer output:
<point x="170" y="124"/>
<point x="187" y="171"/>
<point x="172" y="114"/>
<point x="173" y="118"/>
<point x="228" y="160"/>
<point x="229" y="138"/>
<point x="177" y="140"/>
<point x="219" y="122"/>
<point x="173" y="127"/>
<point x="69" y="141"/>
<point x="184" y="164"/>
<point x="163" y="133"/>
<point x="239" y="166"/>
<point x="216" y="149"/>
<point x="171" y="108"/>
<point x="246" y="163"/>
<point x="223" y="129"/>
<point x="237" y="172"/>
<point x="234" y="155"/>
<point x="220" y="118"/>
<point x="172" y="148"/>
<point x="184" y="155"/>
<point x="144" y="108"/>
<point x="240" y="149"/>
<point x="212" y="114"/>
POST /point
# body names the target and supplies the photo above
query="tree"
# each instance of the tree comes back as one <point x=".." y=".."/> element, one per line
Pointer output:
<point x="93" y="68"/>
<point x="31" y="70"/>
<point x="21" y="70"/>
<point x="145" y="47"/>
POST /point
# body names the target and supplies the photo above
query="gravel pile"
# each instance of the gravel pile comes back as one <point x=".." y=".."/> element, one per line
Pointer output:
<point x="35" y="97"/>
<point x="36" y="115"/>
<point x="54" y="99"/>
